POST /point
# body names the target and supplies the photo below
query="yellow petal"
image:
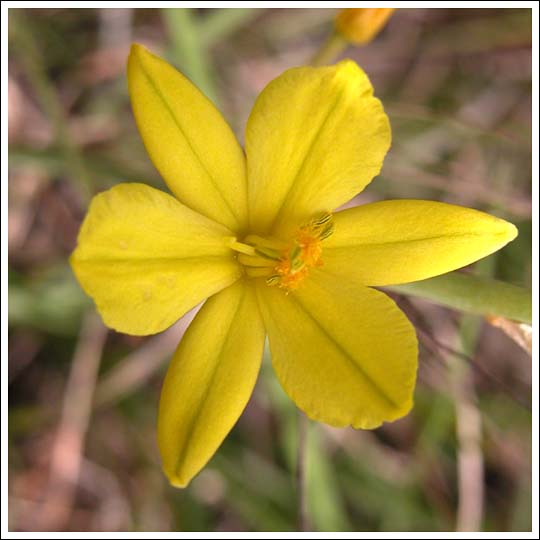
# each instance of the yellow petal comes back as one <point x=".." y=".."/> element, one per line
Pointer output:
<point x="343" y="352"/>
<point x="209" y="381"/>
<point x="315" y="138"/>
<point x="146" y="259"/>
<point x="393" y="242"/>
<point x="188" y="140"/>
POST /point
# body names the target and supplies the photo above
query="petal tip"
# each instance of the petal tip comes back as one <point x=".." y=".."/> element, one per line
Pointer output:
<point x="348" y="71"/>
<point x="137" y="55"/>
<point x="348" y="65"/>
<point x="504" y="233"/>
<point x="178" y="482"/>
<point x="137" y="49"/>
<point x="511" y="231"/>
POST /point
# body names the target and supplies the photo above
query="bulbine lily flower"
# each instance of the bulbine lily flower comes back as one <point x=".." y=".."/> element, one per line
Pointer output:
<point x="255" y="233"/>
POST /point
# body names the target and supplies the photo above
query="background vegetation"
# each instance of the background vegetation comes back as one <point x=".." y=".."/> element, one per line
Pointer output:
<point x="82" y="454"/>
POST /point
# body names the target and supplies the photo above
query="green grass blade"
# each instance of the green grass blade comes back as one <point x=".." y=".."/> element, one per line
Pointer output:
<point x="221" y="23"/>
<point x="188" y="51"/>
<point x="473" y="294"/>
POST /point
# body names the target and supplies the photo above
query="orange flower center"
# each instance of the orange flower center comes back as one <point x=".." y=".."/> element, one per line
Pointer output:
<point x="285" y="264"/>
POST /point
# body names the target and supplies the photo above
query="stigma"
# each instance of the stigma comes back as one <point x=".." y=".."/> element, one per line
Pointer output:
<point x="285" y="264"/>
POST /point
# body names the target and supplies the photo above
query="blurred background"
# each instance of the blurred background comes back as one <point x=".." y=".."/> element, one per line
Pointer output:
<point x="456" y="84"/>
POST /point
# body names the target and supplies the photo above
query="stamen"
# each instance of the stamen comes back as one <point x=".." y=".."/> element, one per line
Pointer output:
<point x="295" y="258"/>
<point x="284" y="265"/>
<point x="268" y="253"/>
<point x="271" y="243"/>
<point x="255" y="262"/>
<point x="327" y="231"/>
<point x="304" y="254"/>
<point x="273" y="280"/>
<point x="242" y="248"/>
<point x="257" y="272"/>
<point x="325" y="218"/>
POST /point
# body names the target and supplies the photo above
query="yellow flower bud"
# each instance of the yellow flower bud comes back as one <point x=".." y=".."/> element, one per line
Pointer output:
<point x="361" y="25"/>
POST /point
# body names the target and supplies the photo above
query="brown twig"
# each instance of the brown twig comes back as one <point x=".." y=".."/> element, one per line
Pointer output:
<point x="137" y="367"/>
<point x="68" y="449"/>
<point x="470" y="460"/>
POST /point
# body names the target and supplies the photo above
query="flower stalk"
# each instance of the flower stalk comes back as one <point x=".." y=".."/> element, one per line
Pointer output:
<point x="473" y="294"/>
<point x="357" y="27"/>
<point x="329" y="50"/>
<point x="301" y="477"/>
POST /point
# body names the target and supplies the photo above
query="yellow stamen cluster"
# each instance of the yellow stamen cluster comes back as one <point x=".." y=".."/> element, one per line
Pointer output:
<point x="285" y="264"/>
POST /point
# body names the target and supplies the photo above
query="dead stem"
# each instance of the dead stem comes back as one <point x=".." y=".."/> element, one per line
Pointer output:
<point x="470" y="460"/>
<point x="68" y="448"/>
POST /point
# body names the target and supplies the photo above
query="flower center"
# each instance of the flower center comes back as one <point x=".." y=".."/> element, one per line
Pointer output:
<point x="284" y="264"/>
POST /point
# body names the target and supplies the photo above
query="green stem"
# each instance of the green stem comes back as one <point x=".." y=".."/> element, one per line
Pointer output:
<point x="219" y="24"/>
<point x="473" y="294"/>
<point x="188" y="50"/>
<point x="301" y="476"/>
<point x="31" y="58"/>
<point x="329" y="50"/>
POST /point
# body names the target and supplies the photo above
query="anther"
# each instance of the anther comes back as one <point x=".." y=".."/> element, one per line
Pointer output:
<point x="284" y="264"/>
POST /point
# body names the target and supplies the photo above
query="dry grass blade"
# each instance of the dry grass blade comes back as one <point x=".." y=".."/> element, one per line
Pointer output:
<point x="137" y="367"/>
<point x="68" y="449"/>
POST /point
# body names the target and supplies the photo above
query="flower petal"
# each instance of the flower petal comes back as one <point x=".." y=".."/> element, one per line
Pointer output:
<point x="146" y="259"/>
<point x="391" y="242"/>
<point x="209" y="381"/>
<point x="315" y="138"/>
<point x="343" y="352"/>
<point x="188" y="140"/>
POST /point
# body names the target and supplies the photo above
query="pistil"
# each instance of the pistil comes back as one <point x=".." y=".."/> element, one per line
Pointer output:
<point x="284" y="264"/>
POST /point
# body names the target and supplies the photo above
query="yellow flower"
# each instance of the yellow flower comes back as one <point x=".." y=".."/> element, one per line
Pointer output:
<point x="361" y="25"/>
<point x="254" y="233"/>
